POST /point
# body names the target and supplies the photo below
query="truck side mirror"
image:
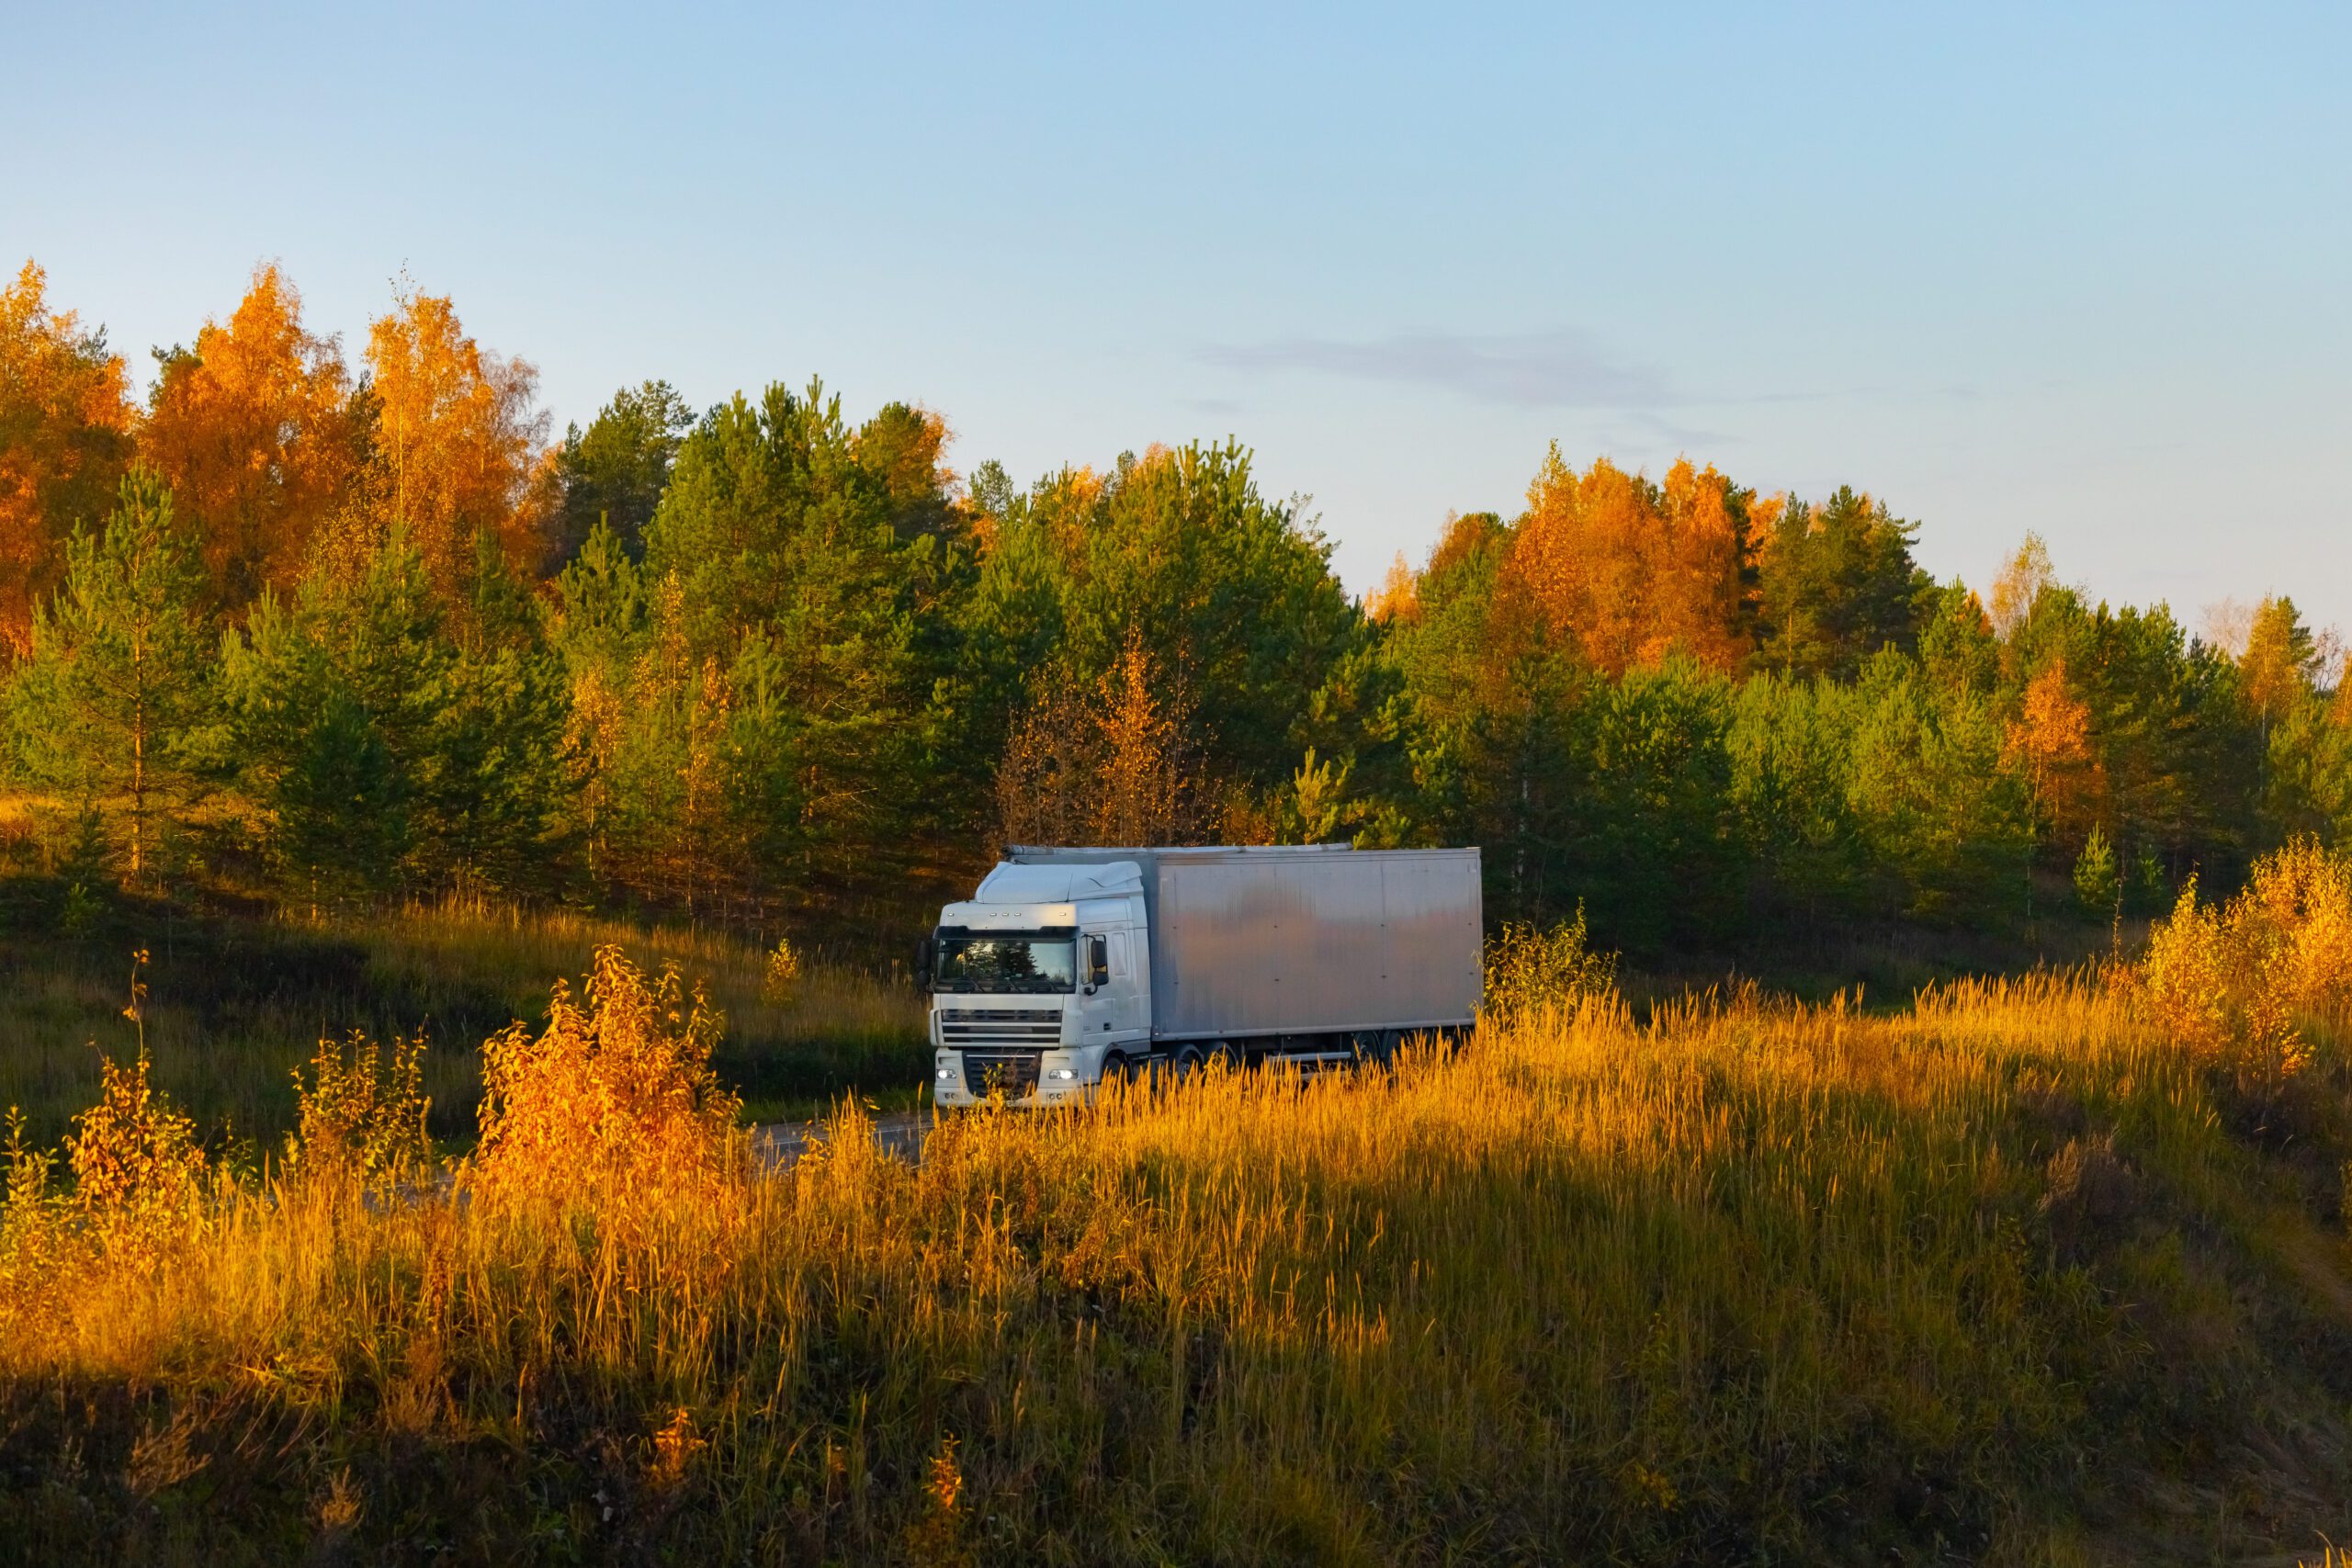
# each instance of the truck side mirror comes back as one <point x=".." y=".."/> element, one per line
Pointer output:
<point x="1098" y="961"/>
<point x="923" y="956"/>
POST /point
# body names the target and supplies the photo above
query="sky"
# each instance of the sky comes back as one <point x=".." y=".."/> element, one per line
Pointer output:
<point x="2085" y="271"/>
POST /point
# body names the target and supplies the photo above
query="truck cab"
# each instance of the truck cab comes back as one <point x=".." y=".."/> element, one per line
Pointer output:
<point x="1041" y="985"/>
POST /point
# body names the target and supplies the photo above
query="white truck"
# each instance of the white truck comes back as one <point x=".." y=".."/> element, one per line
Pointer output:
<point x="1070" y="967"/>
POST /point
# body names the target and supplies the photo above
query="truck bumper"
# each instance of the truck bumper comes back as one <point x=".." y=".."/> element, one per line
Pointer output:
<point x="953" y="1088"/>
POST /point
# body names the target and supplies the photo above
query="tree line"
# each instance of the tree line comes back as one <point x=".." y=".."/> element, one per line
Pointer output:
<point x="349" y="636"/>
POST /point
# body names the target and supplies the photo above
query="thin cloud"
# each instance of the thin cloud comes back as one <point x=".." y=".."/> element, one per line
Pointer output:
<point x="1564" y="367"/>
<point x="1688" y="437"/>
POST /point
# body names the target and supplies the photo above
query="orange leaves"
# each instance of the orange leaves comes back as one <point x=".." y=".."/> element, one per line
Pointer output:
<point x="1398" y="597"/>
<point x="1706" y="550"/>
<point x="258" y="432"/>
<point x="1103" y="766"/>
<point x="2048" y="741"/>
<point x="2054" y="731"/>
<point x="65" y="425"/>
<point x="46" y="358"/>
<point x="614" y="1102"/>
<point x="2022" y="577"/>
<point x="457" y="439"/>
<point x="1580" y="550"/>
<point x="1632" y="569"/>
<point x="253" y="431"/>
<point x="2235" y="983"/>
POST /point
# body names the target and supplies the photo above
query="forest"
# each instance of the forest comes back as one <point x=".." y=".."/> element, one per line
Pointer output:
<point x="319" y="635"/>
<point x="495" y="834"/>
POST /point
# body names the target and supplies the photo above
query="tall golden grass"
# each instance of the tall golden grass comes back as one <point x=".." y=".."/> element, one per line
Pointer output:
<point x="236" y="1005"/>
<point x="2002" y="1276"/>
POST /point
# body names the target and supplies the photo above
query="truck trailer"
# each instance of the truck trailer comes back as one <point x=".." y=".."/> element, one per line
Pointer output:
<point x="1073" y="966"/>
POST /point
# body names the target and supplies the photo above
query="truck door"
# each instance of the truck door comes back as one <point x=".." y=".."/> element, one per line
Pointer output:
<point x="1097" y="991"/>
<point x="1128" y="1010"/>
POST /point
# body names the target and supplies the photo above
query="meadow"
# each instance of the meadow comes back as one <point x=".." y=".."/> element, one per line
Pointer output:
<point x="2043" y="1270"/>
<point x="234" y="1002"/>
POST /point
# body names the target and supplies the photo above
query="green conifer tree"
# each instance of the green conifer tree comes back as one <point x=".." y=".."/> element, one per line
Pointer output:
<point x="116" y="705"/>
<point x="2096" y="883"/>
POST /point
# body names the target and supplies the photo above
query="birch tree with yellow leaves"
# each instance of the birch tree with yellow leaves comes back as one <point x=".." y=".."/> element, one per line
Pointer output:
<point x="458" y="442"/>
<point x="1632" y="571"/>
<point x="252" y="429"/>
<point x="66" y="422"/>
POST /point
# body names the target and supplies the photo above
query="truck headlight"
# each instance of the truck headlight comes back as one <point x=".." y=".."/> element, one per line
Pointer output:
<point x="1061" y="1075"/>
<point x="943" y="1074"/>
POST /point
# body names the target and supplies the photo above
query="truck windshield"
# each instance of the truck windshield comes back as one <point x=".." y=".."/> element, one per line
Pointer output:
<point x="1002" y="962"/>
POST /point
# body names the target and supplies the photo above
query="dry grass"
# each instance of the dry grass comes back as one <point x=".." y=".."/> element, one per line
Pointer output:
<point x="797" y="1032"/>
<point x="1999" y="1278"/>
<point x="236" y="1006"/>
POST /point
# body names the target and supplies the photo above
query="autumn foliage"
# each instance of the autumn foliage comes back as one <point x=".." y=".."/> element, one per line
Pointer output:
<point x="2240" y="983"/>
<point x="1102" y="762"/>
<point x="358" y="632"/>
<point x="1632" y="571"/>
<point x="613" y="1104"/>
<point x="255" y="430"/>
<point x="66" y="422"/>
<point x="457" y="443"/>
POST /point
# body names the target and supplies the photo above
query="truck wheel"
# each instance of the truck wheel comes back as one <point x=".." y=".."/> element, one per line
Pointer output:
<point x="1189" y="1061"/>
<point x="1116" y="1069"/>
<point x="1225" y="1055"/>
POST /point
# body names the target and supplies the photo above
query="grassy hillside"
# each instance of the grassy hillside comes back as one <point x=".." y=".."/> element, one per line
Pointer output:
<point x="235" y="1001"/>
<point x="2042" y="1271"/>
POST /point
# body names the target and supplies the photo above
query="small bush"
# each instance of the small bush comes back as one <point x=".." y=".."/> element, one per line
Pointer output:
<point x="2096" y="887"/>
<point x="1529" y="969"/>
<point x="139" y="1173"/>
<point x="782" y="977"/>
<point x="614" y="1102"/>
<point x="2237" y="984"/>
<point x="360" y="1117"/>
<point x="139" y="1195"/>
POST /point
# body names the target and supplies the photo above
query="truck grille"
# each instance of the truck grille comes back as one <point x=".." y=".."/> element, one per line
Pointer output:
<point x="1014" y="1072"/>
<point x="1034" y="1028"/>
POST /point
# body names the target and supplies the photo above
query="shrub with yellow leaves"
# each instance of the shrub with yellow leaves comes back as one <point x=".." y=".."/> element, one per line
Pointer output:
<point x="360" y="1117"/>
<point x="783" y="974"/>
<point x="2237" y="983"/>
<point x="139" y="1173"/>
<point x="35" y="1239"/>
<point x="613" y="1104"/>
<point x="139" y="1182"/>
<point x="1529" y="969"/>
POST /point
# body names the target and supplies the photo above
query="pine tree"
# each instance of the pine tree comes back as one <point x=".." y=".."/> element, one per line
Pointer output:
<point x="1837" y="584"/>
<point x="810" y="560"/>
<point x="2096" y="884"/>
<point x="117" y="704"/>
<point x="395" y="745"/>
<point x="613" y="473"/>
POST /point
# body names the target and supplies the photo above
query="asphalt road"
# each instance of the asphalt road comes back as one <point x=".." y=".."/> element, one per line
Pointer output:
<point x="899" y="1133"/>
